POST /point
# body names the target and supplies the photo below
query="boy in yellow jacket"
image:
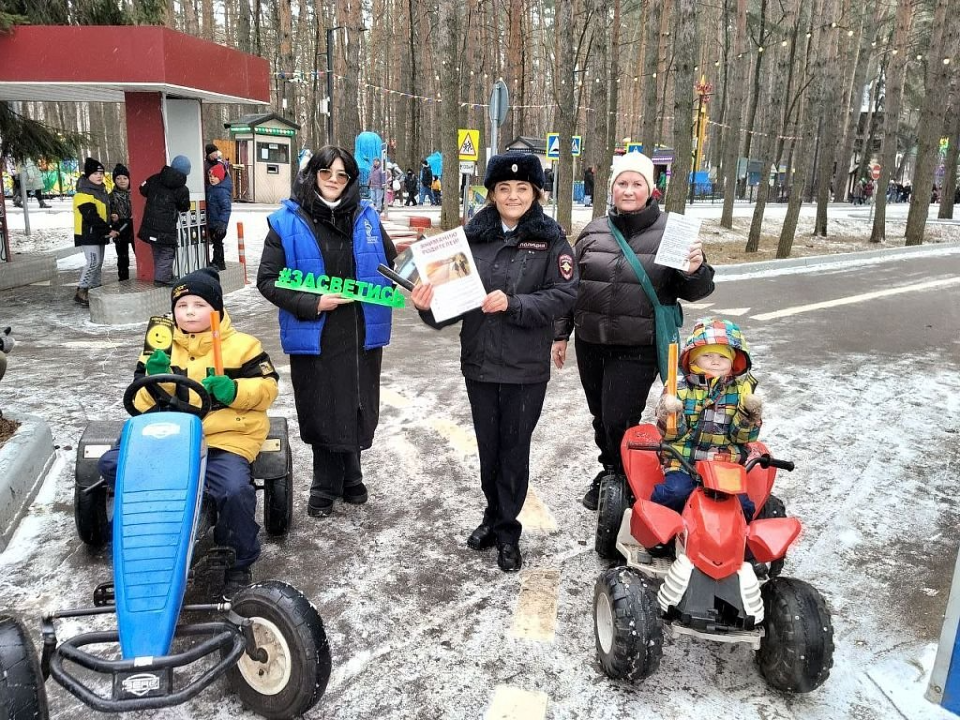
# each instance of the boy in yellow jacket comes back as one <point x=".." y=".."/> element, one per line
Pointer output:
<point x="237" y="423"/>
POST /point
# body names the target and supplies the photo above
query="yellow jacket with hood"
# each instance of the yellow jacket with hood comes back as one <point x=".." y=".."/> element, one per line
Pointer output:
<point x="242" y="426"/>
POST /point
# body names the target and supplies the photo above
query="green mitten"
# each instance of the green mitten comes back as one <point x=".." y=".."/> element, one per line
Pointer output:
<point x="158" y="363"/>
<point x="222" y="388"/>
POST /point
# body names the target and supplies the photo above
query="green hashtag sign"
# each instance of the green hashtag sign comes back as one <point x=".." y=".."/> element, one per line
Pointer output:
<point x="359" y="290"/>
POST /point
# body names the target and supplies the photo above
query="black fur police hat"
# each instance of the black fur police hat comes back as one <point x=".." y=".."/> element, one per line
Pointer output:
<point x="514" y="166"/>
<point x="204" y="283"/>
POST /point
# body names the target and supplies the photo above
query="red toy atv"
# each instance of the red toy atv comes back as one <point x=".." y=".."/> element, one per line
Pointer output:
<point x="708" y="590"/>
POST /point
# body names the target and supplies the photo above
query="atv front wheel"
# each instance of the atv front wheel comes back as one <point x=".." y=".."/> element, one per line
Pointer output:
<point x="796" y="652"/>
<point x="22" y="693"/>
<point x="626" y="624"/>
<point x="292" y="675"/>
<point x="278" y="502"/>
<point x="610" y="508"/>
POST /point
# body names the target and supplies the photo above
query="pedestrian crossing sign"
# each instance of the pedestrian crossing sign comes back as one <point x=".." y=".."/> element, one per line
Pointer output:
<point x="576" y="145"/>
<point x="634" y="147"/>
<point x="469" y="143"/>
<point x="553" y="145"/>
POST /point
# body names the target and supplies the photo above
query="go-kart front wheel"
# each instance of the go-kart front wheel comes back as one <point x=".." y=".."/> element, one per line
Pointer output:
<point x="613" y="503"/>
<point x="626" y="623"/>
<point x="22" y="693"/>
<point x="292" y="675"/>
<point x="796" y="652"/>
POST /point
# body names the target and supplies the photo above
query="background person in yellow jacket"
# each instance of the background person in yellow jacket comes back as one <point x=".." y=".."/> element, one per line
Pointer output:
<point x="91" y="231"/>
<point x="237" y="423"/>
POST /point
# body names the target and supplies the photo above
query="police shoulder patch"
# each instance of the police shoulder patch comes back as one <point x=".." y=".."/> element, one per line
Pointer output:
<point x="565" y="263"/>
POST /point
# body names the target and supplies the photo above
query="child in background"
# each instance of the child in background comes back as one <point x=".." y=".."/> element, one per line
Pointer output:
<point x="121" y="219"/>
<point x="91" y="231"/>
<point x="167" y="196"/>
<point x="219" y="205"/>
<point x="717" y="412"/>
<point x="237" y="423"/>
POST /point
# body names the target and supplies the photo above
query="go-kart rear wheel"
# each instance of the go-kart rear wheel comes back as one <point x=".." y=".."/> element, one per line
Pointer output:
<point x="796" y="652"/>
<point x="90" y="515"/>
<point x="773" y="508"/>
<point x="610" y="508"/>
<point x="297" y="667"/>
<point x="22" y="693"/>
<point x="626" y="623"/>
<point x="278" y="502"/>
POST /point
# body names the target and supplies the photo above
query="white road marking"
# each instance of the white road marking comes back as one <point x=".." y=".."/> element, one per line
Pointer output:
<point x="536" y="614"/>
<point x="392" y="397"/>
<point x="736" y="312"/>
<point x="863" y="297"/>
<point x="511" y="703"/>
<point x="463" y="441"/>
<point x="535" y="515"/>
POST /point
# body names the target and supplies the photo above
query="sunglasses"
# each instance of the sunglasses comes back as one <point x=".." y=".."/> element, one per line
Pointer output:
<point x="341" y="177"/>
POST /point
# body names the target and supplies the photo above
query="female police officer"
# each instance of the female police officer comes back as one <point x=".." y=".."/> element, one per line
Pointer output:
<point x="527" y="268"/>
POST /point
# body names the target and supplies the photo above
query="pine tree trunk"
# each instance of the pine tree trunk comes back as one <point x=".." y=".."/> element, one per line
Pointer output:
<point x="683" y="82"/>
<point x="931" y="117"/>
<point x="754" y="94"/>
<point x="449" y="114"/>
<point x="651" y="63"/>
<point x="830" y="117"/>
<point x="566" y="112"/>
<point x="891" y="117"/>
<point x="734" y="115"/>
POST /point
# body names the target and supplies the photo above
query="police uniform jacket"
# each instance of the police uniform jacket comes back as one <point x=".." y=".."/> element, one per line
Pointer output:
<point x="611" y="307"/>
<point x="242" y="426"/>
<point x="533" y="265"/>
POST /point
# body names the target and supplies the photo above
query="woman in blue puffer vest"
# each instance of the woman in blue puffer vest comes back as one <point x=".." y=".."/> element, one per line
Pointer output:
<point x="335" y="345"/>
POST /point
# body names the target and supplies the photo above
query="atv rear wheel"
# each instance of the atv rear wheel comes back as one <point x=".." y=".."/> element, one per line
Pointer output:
<point x="294" y="674"/>
<point x="626" y="624"/>
<point x="773" y="508"/>
<point x="90" y="515"/>
<point x="796" y="652"/>
<point x="278" y="502"/>
<point x="22" y="693"/>
<point x="613" y="502"/>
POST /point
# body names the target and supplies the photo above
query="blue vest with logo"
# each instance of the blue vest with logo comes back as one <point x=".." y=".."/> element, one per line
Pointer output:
<point x="302" y="251"/>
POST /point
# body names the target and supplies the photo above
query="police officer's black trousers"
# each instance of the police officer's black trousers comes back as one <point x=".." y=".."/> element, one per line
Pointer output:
<point x="504" y="417"/>
<point x="333" y="471"/>
<point x="616" y="381"/>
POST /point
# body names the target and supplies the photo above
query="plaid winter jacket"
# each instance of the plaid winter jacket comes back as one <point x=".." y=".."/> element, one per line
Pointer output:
<point x="713" y="425"/>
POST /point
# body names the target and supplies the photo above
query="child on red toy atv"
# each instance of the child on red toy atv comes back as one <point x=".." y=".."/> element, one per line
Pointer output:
<point x="699" y="493"/>
<point x="716" y="412"/>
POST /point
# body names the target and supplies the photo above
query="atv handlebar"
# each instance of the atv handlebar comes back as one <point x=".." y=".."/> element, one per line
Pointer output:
<point x="764" y="460"/>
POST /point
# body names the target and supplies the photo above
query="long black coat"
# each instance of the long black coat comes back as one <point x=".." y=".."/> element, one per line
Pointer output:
<point x="167" y="196"/>
<point x="337" y="393"/>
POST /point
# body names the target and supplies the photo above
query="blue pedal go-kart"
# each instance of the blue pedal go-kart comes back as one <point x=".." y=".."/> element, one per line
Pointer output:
<point x="268" y="640"/>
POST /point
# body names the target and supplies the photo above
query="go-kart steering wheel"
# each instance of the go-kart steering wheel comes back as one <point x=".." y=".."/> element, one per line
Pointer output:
<point x="164" y="400"/>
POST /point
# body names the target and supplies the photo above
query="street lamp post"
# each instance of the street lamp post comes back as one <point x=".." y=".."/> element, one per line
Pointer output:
<point x="330" y="32"/>
<point x="703" y="90"/>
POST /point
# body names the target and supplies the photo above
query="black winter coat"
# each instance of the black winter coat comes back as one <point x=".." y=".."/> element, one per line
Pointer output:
<point x="534" y="266"/>
<point x="612" y="308"/>
<point x="337" y="393"/>
<point x="167" y="196"/>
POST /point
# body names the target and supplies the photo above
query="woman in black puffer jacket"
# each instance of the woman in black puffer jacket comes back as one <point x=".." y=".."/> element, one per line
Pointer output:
<point x="613" y="319"/>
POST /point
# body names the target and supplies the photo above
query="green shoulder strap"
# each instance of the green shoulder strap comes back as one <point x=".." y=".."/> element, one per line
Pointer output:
<point x="634" y="261"/>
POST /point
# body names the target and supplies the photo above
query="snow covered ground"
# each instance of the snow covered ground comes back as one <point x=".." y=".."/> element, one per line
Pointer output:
<point x="422" y="627"/>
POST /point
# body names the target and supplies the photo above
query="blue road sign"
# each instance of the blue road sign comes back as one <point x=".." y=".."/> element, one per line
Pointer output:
<point x="576" y="145"/>
<point x="553" y="145"/>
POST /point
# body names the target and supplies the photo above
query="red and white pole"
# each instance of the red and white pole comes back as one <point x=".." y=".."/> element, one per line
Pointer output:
<point x="242" y="251"/>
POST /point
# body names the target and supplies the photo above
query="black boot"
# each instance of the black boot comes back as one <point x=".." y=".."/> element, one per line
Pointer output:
<point x="592" y="497"/>
<point x="218" y="261"/>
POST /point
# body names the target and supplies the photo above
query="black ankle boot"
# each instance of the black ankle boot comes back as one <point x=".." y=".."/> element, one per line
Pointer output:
<point x="592" y="497"/>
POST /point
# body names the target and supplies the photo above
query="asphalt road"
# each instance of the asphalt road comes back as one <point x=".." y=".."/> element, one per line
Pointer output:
<point x="863" y="395"/>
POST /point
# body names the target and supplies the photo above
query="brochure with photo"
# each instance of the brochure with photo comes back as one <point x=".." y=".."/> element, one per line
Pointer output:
<point x="445" y="261"/>
<point x="405" y="267"/>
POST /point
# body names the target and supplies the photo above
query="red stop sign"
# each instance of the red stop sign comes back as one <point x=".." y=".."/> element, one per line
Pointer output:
<point x="875" y="172"/>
